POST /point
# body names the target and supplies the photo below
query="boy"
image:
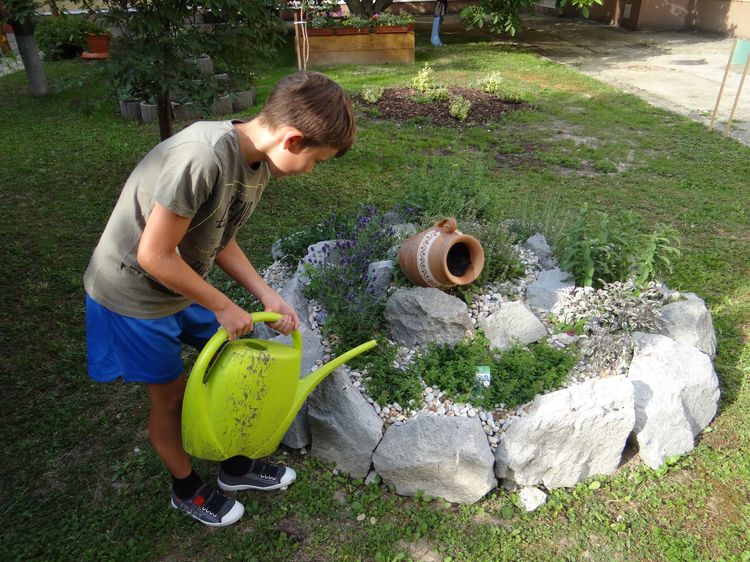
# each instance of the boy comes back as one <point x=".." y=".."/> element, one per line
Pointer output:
<point x="146" y="288"/>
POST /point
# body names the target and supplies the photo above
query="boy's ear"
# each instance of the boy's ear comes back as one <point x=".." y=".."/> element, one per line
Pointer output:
<point x="292" y="139"/>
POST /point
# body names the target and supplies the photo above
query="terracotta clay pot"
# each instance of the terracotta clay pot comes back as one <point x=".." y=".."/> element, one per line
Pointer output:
<point x="441" y="256"/>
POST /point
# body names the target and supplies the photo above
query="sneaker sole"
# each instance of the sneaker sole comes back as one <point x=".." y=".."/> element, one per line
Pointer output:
<point x="234" y="515"/>
<point x="240" y="487"/>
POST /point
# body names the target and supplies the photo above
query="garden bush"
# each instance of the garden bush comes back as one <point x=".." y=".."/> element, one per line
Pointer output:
<point x="599" y="249"/>
<point x="64" y="37"/>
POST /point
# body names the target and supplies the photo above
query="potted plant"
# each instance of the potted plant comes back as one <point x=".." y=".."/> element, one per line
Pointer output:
<point x="97" y="41"/>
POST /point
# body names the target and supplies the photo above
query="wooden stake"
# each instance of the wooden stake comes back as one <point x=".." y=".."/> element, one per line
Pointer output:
<point x="723" y="82"/>
<point x="737" y="97"/>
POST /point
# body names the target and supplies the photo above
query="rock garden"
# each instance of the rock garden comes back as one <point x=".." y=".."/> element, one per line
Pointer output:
<point x="552" y="367"/>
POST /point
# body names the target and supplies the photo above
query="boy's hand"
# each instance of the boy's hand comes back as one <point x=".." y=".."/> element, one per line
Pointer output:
<point x="236" y="321"/>
<point x="289" y="322"/>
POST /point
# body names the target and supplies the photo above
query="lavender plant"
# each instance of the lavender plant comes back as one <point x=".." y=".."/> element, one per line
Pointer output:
<point x="342" y="286"/>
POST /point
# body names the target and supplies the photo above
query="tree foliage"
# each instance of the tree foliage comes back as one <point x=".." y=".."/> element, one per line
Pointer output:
<point x="501" y="16"/>
<point x="158" y="43"/>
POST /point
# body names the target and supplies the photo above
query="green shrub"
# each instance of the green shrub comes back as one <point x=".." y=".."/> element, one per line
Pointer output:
<point x="496" y="85"/>
<point x="518" y="373"/>
<point x="452" y="368"/>
<point x="372" y="94"/>
<point x="459" y="108"/>
<point x="64" y="37"/>
<point x="521" y="373"/>
<point x="388" y="384"/>
<point x="599" y="250"/>
<point x="424" y="80"/>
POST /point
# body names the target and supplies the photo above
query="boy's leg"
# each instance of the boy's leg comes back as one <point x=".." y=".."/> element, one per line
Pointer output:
<point x="165" y="425"/>
<point x="148" y="351"/>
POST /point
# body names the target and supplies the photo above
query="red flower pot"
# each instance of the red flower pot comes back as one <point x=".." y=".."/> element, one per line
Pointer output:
<point x="97" y="46"/>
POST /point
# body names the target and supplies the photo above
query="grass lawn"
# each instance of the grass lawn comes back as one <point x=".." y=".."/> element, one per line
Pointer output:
<point x="78" y="478"/>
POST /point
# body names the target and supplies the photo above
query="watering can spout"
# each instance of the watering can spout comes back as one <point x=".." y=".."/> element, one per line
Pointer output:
<point x="308" y="384"/>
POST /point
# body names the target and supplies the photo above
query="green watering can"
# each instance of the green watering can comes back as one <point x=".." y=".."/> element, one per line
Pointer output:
<point x="243" y="401"/>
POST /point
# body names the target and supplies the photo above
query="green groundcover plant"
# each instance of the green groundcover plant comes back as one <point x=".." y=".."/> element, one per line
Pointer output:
<point x="517" y="374"/>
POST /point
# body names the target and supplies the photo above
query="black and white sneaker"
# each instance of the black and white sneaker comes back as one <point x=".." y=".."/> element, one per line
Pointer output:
<point x="261" y="476"/>
<point x="210" y="507"/>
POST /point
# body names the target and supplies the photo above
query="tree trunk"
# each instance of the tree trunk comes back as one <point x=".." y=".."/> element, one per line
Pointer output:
<point x="164" y="107"/>
<point x="32" y="62"/>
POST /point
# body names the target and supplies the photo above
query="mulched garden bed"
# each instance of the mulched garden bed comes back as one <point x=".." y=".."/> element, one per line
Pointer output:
<point x="398" y="104"/>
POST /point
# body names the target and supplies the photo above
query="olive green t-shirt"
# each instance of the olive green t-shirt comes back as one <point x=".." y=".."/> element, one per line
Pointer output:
<point x="200" y="174"/>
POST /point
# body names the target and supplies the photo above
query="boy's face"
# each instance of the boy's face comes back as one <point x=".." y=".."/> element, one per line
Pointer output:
<point x="288" y="159"/>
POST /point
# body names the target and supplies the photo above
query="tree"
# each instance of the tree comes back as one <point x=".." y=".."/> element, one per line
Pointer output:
<point x="501" y="16"/>
<point x="20" y="14"/>
<point x="158" y="43"/>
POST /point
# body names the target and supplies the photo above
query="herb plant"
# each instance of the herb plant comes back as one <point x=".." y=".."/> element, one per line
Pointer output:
<point x="599" y="250"/>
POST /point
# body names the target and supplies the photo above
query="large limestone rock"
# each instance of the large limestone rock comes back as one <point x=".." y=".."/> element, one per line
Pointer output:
<point x="568" y="435"/>
<point x="345" y="428"/>
<point x="549" y="288"/>
<point x="676" y="396"/>
<point x="298" y="434"/>
<point x="513" y="323"/>
<point x="689" y="321"/>
<point x="422" y="315"/>
<point x="439" y="455"/>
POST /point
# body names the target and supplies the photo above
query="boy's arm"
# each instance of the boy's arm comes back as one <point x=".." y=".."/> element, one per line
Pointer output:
<point x="235" y="263"/>
<point x="157" y="255"/>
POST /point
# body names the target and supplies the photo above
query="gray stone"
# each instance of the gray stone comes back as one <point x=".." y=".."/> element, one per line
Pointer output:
<point x="531" y="498"/>
<point x="676" y="396"/>
<point x="442" y="456"/>
<point x="688" y="321"/>
<point x="568" y="435"/>
<point x="514" y="322"/>
<point x="345" y="429"/>
<point x="276" y="250"/>
<point x="298" y="434"/>
<point x="379" y="276"/>
<point x="405" y="230"/>
<point x="422" y="315"/>
<point x="548" y="288"/>
<point x="538" y="245"/>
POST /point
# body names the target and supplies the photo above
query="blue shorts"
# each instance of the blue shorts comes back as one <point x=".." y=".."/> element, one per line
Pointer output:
<point x="140" y="350"/>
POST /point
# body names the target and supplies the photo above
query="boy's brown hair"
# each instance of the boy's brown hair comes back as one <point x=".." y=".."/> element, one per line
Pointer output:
<point x="314" y="104"/>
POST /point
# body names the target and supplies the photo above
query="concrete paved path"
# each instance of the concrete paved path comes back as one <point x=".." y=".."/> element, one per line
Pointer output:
<point x="677" y="70"/>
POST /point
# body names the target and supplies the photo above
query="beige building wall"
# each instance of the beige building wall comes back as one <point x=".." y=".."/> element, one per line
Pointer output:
<point x="722" y="16"/>
<point x="673" y="14"/>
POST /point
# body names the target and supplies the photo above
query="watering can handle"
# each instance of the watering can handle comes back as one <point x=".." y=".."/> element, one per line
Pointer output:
<point x="220" y="337"/>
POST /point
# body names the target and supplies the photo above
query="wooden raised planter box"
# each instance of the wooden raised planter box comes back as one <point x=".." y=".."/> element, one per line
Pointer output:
<point x="350" y="45"/>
